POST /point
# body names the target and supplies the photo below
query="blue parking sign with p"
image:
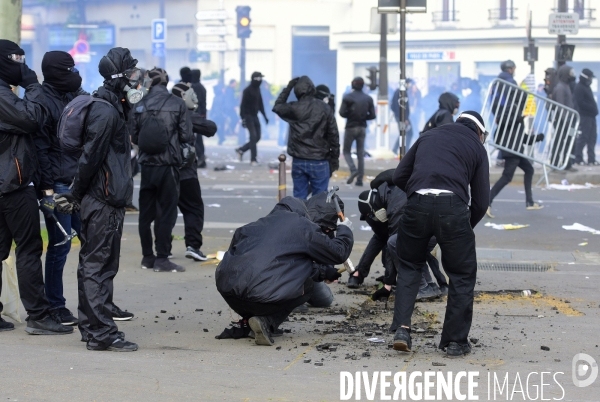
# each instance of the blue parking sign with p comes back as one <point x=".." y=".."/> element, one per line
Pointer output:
<point x="159" y="30"/>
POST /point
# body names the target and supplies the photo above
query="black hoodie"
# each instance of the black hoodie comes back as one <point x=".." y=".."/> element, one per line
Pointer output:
<point x="448" y="102"/>
<point x="562" y="91"/>
<point x="585" y="103"/>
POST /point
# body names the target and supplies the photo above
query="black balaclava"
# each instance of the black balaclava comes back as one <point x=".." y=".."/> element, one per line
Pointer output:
<point x="56" y="67"/>
<point x="256" y="83"/>
<point x="10" y="71"/>
<point x="470" y="123"/>
<point x="186" y="74"/>
<point x="195" y="76"/>
<point x="117" y="61"/>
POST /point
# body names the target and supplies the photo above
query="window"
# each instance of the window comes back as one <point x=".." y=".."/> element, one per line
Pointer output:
<point x="505" y="12"/>
<point x="447" y="14"/>
<point x="581" y="7"/>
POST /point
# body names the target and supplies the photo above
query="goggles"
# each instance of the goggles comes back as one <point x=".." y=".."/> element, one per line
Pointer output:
<point x="484" y="132"/>
<point x="17" y="58"/>
<point x="133" y="74"/>
<point x="379" y="215"/>
<point x="73" y="69"/>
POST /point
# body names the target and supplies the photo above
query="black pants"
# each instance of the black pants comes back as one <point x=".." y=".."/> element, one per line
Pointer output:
<point x="589" y="134"/>
<point x="434" y="264"/>
<point x="20" y="221"/>
<point x="274" y="313"/>
<point x="101" y="231"/>
<point x="448" y="218"/>
<point x="200" y="149"/>
<point x="253" y="126"/>
<point x="559" y="153"/>
<point x="159" y="194"/>
<point x="376" y="245"/>
<point x="510" y="165"/>
<point x="357" y="134"/>
<point x="192" y="208"/>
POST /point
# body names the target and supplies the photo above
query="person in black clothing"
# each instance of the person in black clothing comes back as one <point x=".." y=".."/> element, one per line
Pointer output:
<point x="436" y="174"/>
<point x="314" y="141"/>
<point x="272" y="264"/>
<point x="19" y="171"/>
<point x="324" y="94"/>
<point x="395" y="108"/>
<point x="201" y="110"/>
<point x="562" y="94"/>
<point x="101" y="189"/>
<point x="61" y="84"/>
<point x="159" y="187"/>
<point x="587" y="107"/>
<point x="357" y="107"/>
<point x="190" y="195"/>
<point x="449" y="104"/>
<point x="252" y="103"/>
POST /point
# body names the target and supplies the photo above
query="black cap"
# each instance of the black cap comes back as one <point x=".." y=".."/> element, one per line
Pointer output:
<point x="587" y="73"/>
<point x="256" y="74"/>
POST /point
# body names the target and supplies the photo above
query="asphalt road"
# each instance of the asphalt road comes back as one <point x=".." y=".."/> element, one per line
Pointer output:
<point x="181" y="360"/>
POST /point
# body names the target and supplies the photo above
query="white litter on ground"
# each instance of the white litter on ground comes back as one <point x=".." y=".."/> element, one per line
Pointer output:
<point x="569" y="187"/>
<point x="505" y="226"/>
<point x="365" y="228"/>
<point x="581" y="228"/>
<point x="214" y="205"/>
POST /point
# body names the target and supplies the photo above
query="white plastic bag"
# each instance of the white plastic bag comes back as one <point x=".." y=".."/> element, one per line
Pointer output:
<point x="10" y="297"/>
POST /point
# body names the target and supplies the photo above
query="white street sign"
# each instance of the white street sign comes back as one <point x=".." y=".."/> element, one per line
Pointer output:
<point x="563" y="24"/>
<point x="212" y="46"/>
<point x="210" y="31"/>
<point x="206" y="15"/>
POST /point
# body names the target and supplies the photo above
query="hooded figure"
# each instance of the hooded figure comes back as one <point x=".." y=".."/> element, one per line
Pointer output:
<point x="562" y="91"/>
<point x="563" y="95"/>
<point x="186" y="74"/>
<point x="587" y="107"/>
<point x="201" y="94"/>
<point x="313" y="137"/>
<point x="10" y="71"/>
<point x="121" y="76"/>
<point x="449" y="104"/>
<point x="59" y="71"/>
<point x="252" y="103"/>
<point x="324" y="93"/>
<point x="272" y="264"/>
<point x="324" y="213"/>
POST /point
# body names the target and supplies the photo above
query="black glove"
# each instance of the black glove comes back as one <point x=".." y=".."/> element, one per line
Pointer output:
<point x="382" y="293"/>
<point x="539" y="138"/>
<point x="331" y="274"/>
<point x="47" y="205"/>
<point x="266" y="121"/>
<point x="66" y="203"/>
<point x="334" y="164"/>
<point x="244" y="123"/>
<point x="293" y="82"/>
<point x="28" y="76"/>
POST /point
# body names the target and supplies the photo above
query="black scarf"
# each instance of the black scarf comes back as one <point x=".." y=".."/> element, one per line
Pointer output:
<point x="10" y="71"/>
<point x="56" y="67"/>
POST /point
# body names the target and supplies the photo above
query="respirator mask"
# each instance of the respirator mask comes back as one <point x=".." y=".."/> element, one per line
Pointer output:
<point x="133" y="88"/>
<point x="381" y="214"/>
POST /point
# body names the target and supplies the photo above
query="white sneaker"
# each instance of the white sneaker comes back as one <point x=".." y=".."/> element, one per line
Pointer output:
<point x="534" y="206"/>
<point x="489" y="213"/>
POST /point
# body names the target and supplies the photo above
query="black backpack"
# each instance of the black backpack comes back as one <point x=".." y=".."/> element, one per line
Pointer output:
<point x="153" y="138"/>
<point x="72" y="122"/>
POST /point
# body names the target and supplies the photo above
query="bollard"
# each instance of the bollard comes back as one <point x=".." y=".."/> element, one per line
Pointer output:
<point x="282" y="186"/>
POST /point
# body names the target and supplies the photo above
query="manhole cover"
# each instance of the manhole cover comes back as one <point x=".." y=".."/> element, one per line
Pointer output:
<point x="513" y="266"/>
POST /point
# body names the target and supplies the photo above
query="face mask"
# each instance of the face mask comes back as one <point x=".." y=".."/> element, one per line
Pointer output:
<point x="134" y="95"/>
<point x="379" y="215"/>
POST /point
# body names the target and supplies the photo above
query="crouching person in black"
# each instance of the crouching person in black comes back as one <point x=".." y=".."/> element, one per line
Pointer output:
<point x="272" y="265"/>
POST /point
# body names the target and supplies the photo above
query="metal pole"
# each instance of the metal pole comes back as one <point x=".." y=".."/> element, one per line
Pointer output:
<point x="10" y="20"/>
<point x="383" y="65"/>
<point x="243" y="64"/>
<point x="562" y="8"/>
<point x="282" y="186"/>
<point x="161" y="59"/>
<point x="402" y="99"/>
<point x="222" y="54"/>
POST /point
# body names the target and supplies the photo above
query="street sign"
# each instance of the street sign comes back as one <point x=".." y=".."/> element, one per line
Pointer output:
<point x="392" y="23"/>
<point x="212" y="46"/>
<point x="202" y="57"/>
<point x="159" y="30"/>
<point x="431" y="55"/>
<point x="212" y="31"/>
<point x="207" y="15"/>
<point x="393" y="6"/>
<point x="563" y="24"/>
<point x="158" y="49"/>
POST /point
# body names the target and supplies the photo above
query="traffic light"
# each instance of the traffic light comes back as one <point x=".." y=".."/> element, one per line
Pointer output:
<point x="243" y="21"/>
<point x="372" y="77"/>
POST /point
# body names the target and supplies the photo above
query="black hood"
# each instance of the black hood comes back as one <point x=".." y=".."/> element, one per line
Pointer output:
<point x="448" y="101"/>
<point x="564" y="73"/>
<point x="10" y="71"/>
<point x="56" y="67"/>
<point x="304" y="87"/>
<point x="293" y="205"/>
<point x="195" y="76"/>
<point x="117" y="61"/>
<point x="186" y="74"/>
<point x="323" y="213"/>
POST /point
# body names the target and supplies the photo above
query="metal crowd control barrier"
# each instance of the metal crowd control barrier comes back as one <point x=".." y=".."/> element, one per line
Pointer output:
<point x="515" y="117"/>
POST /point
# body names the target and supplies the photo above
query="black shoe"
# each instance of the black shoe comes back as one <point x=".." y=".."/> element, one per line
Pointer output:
<point x="427" y="293"/>
<point x="120" y="335"/>
<point x="120" y="315"/>
<point x="148" y="261"/>
<point x="359" y="184"/>
<point x="351" y="177"/>
<point x="195" y="254"/>
<point x="48" y="325"/>
<point x="402" y="341"/>
<point x="275" y="334"/>
<point x="456" y="350"/>
<point x="202" y="165"/>
<point x="164" y="265"/>
<point x="302" y="309"/>
<point x="354" y="282"/>
<point x="65" y="317"/>
<point x="6" y="326"/>
<point x="382" y="293"/>
<point x="240" y="153"/>
<point x="444" y="290"/>
<point x="120" y="345"/>
<point x="436" y="289"/>
<point x="261" y="331"/>
<point x="379" y="279"/>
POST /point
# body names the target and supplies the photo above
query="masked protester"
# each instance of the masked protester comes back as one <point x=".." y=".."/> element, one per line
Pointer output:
<point x="62" y="83"/>
<point x="449" y="104"/>
<point x="586" y="105"/>
<point x="314" y="140"/>
<point x="20" y="119"/>
<point x="324" y="94"/>
<point x="445" y="176"/>
<point x="357" y="107"/>
<point x="252" y="103"/>
<point x="201" y="110"/>
<point x="190" y="195"/>
<point x="161" y="128"/>
<point x="101" y="190"/>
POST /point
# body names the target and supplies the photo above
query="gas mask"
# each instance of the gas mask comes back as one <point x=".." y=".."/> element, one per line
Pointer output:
<point x="133" y="88"/>
<point x="379" y="215"/>
<point x="483" y="132"/>
<point x="191" y="99"/>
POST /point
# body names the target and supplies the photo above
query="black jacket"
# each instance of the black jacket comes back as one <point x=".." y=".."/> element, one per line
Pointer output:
<point x="269" y="260"/>
<point x="104" y="167"/>
<point x="313" y="130"/>
<point x="389" y="197"/>
<point x="252" y="102"/>
<point x="562" y="91"/>
<point x="174" y="114"/>
<point x="201" y="126"/>
<point x="447" y="104"/>
<point x="357" y="107"/>
<point x="450" y="157"/>
<point x="55" y="164"/>
<point x="585" y="103"/>
<point x="201" y="94"/>
<point x="510" y="128"/>
<point x="19" y="121"/>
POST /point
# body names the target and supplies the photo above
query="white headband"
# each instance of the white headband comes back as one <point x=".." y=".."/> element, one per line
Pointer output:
<point x="474" y="119"/>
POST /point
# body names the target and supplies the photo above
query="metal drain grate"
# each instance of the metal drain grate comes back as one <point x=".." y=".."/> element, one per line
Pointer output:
<point x="513" y="267"/>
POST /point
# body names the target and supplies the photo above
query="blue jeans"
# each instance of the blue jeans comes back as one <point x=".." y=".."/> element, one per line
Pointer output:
<point x="308" y="172"/>
<point x="56" y="256"/>
<point x="321" y="295"/>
